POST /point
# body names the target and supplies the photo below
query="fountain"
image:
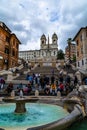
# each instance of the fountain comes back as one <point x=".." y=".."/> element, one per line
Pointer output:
<point x="50" y="114"/>
<point x="28" y="119"/>
<point x="20" y="102"/>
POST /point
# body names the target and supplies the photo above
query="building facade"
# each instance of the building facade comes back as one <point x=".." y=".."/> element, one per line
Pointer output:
<point x="72" y="52"/>
<point x="81" y="48"/>
<point x="9" y="46"/>
<point x="47" y="53"/>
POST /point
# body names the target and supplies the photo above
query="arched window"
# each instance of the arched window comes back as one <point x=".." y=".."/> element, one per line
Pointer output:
<point x="54" y="41"/>
<point x="42" y="42"/>
<point x="54" y="53"/>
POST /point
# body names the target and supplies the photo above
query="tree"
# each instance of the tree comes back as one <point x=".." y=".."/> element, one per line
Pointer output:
<point x="60" y="54"/>
<point x="74" y="58"/>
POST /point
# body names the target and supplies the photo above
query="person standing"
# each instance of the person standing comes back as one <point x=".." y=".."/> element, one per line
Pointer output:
<point x="52" y="79"/>
<point x="2" y="82"/>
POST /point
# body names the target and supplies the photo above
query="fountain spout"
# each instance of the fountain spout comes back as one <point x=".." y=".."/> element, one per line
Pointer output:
<point x="21" y="94"/>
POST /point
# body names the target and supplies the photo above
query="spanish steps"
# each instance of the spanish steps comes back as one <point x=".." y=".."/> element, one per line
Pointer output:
<point x="45" y="70"/>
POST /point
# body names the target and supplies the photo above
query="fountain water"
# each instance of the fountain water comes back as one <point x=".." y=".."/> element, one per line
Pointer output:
<point x="37" y="115"/>
<point x="21" y="94"/>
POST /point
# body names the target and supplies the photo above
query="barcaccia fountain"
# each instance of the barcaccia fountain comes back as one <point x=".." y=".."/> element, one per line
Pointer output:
<point x="46" y="113"/>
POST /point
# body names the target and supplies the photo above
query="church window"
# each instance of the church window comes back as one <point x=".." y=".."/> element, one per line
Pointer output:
<point x="82" y="50"/>
<point x="42" y="42"/>
<point x="54" y="53"/>
<point x="54" y="41"/>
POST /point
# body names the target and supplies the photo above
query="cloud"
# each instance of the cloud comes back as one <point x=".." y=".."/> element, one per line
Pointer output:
<point x="29" y="19"/>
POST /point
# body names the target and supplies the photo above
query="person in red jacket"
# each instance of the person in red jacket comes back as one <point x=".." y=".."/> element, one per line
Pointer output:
<point x="60" y="87"/>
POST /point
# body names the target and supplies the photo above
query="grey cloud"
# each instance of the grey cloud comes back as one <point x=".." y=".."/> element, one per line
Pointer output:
<point x="19" y="27"/>
<point x="54" y="16"/>
<point x="63" y="17"/>
<point x="22" y="6"/>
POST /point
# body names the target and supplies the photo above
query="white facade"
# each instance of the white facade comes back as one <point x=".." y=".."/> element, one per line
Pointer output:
<point x="46" y="50"/>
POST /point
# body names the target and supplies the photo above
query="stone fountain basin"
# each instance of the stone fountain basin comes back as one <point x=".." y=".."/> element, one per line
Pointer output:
<point x="20" y="102"/>
<point x="62" y="123"/>
<point x="18" y="99"/>
<point x="74" y="115"/>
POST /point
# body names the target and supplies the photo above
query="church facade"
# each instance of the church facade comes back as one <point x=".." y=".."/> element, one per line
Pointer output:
<point x="47" y="53"/>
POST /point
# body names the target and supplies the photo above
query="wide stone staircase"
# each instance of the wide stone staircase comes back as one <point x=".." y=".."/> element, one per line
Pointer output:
<point x="45" y="70"/>
<point x="22" y="74"/>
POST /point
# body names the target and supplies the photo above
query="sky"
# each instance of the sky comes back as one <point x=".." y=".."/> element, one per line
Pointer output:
<point x="30" y="19"/>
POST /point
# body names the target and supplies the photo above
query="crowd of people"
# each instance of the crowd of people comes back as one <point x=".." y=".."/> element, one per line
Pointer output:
<point x="49" y="84"/>
<point x="52" y="84"/>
